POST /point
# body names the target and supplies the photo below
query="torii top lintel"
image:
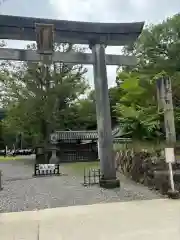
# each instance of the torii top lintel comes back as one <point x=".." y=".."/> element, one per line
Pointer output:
<point x="113" y="34"/>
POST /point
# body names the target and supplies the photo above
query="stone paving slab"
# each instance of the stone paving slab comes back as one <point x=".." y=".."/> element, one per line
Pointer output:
<point x="137" y="220"/>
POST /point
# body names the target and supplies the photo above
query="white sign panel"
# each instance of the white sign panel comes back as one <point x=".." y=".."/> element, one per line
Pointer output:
<point x="169" y="155"/>
<point x="50" y="167"/>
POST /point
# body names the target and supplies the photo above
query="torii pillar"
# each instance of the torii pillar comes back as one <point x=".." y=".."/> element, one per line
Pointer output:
<point x="105" y="139"/>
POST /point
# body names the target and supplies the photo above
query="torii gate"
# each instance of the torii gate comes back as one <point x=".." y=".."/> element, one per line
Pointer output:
<point x="97" y="35"/>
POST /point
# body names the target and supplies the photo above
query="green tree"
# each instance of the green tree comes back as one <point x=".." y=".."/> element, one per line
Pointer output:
<point x="157" y="50"/>
<point x="37" y="95"/>
<point x="158" y="47"/>
<point x="137" y="108"/>
<point x="82" y="115"/>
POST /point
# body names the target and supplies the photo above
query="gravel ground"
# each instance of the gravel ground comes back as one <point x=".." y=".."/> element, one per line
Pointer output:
<point x="22" y="192"/>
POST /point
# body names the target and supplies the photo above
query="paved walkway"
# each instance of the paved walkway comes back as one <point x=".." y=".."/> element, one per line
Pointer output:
<point x="22" y="192"/>
<point x="137" y="220"/>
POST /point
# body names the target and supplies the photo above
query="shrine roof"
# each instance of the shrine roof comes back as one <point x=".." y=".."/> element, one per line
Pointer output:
<point x="81" y="135"/>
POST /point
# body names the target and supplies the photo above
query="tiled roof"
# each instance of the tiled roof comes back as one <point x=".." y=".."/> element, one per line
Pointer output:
<point x="73" y="135"/>
<point x="81" y="135"/>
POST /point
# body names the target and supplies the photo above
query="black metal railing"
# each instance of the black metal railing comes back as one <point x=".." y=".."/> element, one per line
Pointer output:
<point x="91" y="176"/>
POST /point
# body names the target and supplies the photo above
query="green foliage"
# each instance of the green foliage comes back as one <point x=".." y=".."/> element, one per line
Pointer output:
<point x="158" y="47"/>
<point x="157" y="51"/>
<point x="81" y="116"/>
<point x="37" y="96"/>
<point x="137" y="109"/>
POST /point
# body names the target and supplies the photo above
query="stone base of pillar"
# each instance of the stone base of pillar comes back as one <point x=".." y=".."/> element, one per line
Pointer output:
<point x="173" y="194"/>
<point x="110" y="183"/>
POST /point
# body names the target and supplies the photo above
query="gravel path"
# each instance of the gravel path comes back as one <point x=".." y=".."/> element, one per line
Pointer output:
<point x="23" y="192"/>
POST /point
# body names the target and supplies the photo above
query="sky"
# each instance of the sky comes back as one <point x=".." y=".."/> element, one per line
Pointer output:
<point x="150" y="11"/>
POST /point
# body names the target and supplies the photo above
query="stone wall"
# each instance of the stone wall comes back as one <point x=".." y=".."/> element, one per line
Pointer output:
<point x="147" y="168"/>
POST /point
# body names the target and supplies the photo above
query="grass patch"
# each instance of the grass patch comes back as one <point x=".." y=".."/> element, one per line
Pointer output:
<point x="9" y="158"/>
<point x="78" y="168"/>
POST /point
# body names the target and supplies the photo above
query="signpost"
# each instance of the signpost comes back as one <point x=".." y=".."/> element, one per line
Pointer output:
<point x="170" y="159"/>
<point x="46" y="170"/>
<point x="44" y="167"/>
<point x="164" y="93"/>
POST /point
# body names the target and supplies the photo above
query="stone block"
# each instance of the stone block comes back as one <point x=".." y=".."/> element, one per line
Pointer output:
<point x="109" y="183"/>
